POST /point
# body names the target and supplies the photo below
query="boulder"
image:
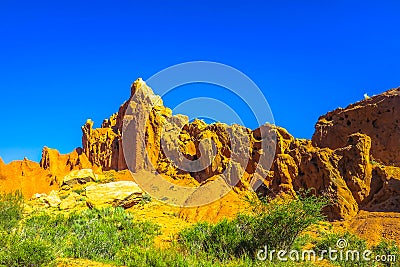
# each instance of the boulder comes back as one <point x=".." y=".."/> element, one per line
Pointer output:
<point x="69" y="202"/>
<point x="79" y="177"/>
<point x="53" y="200"/>
<point x="117" y="194"/>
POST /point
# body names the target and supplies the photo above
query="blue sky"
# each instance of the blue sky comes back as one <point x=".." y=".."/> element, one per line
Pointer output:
<point x="62" y="62"/>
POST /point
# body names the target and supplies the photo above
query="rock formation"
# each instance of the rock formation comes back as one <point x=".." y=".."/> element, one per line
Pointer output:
<point x="378" y="117"/>
<point x="346" y="160"/>
<point x="26" y="176"/>
<point x="59" y="165"/>
<point x="101" y="146"/>
<point x="336" y="163"/>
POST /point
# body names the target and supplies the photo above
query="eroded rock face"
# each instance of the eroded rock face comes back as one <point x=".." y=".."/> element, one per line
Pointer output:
<point x="337" y="162"/>
<point x="101" y="146"/>
<point x="169" y="144"/>
<point x="58" y="165"/>
<point x="344" y="174"/>
<point x="377" y="117"/>
<point x="26" y="176"/>
<point x="385" y="190"/>
<point x="341" y="161"/>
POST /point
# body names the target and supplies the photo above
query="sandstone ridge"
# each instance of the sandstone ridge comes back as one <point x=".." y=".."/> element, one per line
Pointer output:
<point x="352" y="156"/>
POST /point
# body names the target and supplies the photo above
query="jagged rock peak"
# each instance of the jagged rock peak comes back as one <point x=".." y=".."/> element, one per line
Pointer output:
<point x="141" y="92"/>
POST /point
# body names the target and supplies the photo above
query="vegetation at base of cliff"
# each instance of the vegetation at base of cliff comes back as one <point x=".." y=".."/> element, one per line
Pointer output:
<point x="111" y="235"/>
<point x="275" y="224"/>
<point x="95" y="234"/>
<point x="11" y="208"/>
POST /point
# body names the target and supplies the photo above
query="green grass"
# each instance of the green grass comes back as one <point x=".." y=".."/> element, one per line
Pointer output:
<point x="174" y="257"/>
<point x="96" y="234"/>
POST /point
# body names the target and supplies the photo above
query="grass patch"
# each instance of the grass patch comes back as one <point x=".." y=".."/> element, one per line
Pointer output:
<point x="146" y="198"/>
<point x="96" y="234"/>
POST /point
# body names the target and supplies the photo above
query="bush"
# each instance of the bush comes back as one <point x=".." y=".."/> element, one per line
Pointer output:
<point x="96" y="234"/>
<point x="25" y="252"/>
<point x="275" y="225"/>
<point x="11" y="208"/>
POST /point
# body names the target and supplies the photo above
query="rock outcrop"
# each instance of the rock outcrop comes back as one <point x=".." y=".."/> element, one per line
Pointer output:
<point x="2" y="169"/>
<point x="377" y="117"/>
<point x="385" y="190"/>
<point x="82" y="176"/>
<point x="26" y="176"/>
<point x="70" y="201"/>
<point x="117" y="194"/>
<point x="351" y="158"/>
<point x="58" y="165"/>
<point x="336" y="163"/>
<point x="343" y="174"/>
<point x="102" y="146"/>
<point x="169" y="144"/>
<point x="53" y="200"/>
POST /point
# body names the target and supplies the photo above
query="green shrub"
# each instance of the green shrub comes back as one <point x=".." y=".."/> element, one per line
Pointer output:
<point x="11" y="208"/>
<point x="275" y="225"/>
<point x="96" y="234"/>
<point x="25" y="252"/>
<point x="79" y="191"/>
<point x="301" y="241"/>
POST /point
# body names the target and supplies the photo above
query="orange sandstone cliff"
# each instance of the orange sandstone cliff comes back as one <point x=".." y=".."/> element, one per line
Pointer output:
<point x="353" y="156"/>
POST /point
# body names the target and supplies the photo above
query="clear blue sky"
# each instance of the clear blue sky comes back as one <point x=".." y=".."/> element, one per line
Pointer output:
<point x="62" y="62"/>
